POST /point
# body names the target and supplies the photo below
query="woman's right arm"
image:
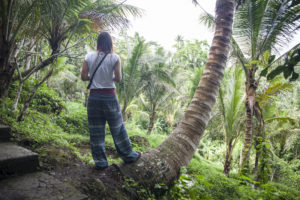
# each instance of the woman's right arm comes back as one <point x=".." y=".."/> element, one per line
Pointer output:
<point x="117" y="72"/>
<point x="85" y="72"/>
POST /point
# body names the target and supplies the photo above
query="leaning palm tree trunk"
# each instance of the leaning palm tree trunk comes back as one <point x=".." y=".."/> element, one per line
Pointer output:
<point x="162" y="164"/>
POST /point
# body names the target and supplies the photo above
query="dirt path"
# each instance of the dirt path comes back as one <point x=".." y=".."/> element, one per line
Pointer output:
<point x="106" y="184"/>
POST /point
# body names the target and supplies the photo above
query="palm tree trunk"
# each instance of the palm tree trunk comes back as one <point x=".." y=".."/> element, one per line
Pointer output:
<point x="151" y="123"/>
<point x="228" y="158"/>
<point x="257" y="156"/>
<point x="259" y="139"/>
<point x="162" y="164"/>
<point x="124" y="110"/>
<point x="250" y="102"/>
<point x="248" y="136"/>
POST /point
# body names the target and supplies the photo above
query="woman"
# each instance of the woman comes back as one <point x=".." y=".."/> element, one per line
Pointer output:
<point x="103" y="104"/>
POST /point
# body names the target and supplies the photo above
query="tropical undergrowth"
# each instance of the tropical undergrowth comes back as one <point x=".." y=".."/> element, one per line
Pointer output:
<point x="58" y="131"/>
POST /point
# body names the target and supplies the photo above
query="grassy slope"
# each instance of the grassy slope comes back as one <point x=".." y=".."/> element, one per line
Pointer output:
<point x="201" y="179"/>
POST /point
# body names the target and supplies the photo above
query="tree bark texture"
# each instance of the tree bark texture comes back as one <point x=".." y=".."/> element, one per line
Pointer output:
<point x="228" y="158"/>
<point x="8" y="35"/>
<point x="6" y="68"/>
<point x="162" y="164"/>
<point x="152" y="118"/>
<point x="259" y="139"/>
<point x="251" y="87"/>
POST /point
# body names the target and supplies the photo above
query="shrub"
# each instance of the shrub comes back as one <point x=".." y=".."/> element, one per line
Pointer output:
<point x="283" y="173"/>
<point x="73" y="120"/>
<point x="47" y="101"/>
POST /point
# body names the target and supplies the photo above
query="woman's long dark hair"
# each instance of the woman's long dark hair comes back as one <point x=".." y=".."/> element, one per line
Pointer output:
<point x="104" y="42"/>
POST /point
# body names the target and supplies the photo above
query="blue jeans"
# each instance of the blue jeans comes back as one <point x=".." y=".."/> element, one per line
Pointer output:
<point x="102" y="108"/>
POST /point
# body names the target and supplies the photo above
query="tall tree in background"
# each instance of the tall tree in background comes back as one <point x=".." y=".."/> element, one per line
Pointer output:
<point x="158" y="88"/>
<point x="260" y="26"/>
<point x="162" y="164"/>
<point x="190" y="54"/>
<point x="132" y="83"/>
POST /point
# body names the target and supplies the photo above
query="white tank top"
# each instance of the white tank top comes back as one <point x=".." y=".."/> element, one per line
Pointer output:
<point x="105" y="73"/>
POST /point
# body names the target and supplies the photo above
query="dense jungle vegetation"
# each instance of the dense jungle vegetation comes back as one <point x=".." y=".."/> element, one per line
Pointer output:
<point x="251" y="146"/>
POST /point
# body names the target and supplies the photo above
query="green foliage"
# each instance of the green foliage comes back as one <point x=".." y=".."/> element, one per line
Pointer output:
<point x="270" y="191"/>
<point x="185" y="188"/>
<point x="284" y="174"/>
<point x="195" y="80"/>
<point x="137" y="191"/>
<point x="154" y="139"/>
<point x="231" y="97"/>
<point x="204" y="180"/>
<point x="65" y="79"/>
<point x="214" y="183"/>
<point x="40" y="129"/>
<point x="5" y="111"/>
<point x="73" y="119"/>
<point x="295" y="166"/>
<point x="288" y="68"/>
<point x="132" y="82"/>
<point x="212" y="150"/>
<point x="190" y="54"/>
<point x="265" y="159"/>
<point x="47" y="101"/>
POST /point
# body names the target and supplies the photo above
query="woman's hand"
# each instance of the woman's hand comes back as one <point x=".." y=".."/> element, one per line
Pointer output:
<point x="85" y="72"/>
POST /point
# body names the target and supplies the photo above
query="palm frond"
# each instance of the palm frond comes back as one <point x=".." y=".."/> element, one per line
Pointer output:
<point x="280" y="23"/>
<point x="248" y="20"/>
<point x="284" y="55"/>
<point x="238" y="53"/>
<point x="289" y="120"/>
<point x="232" y="101"/>
<point x="109" y="14"/>
<point x="274" y="88"/>
<point x="195" y="80"/>
<point x="207" y="19"/>
<point x="131" y="85"/>
<point x="260" y="25"/>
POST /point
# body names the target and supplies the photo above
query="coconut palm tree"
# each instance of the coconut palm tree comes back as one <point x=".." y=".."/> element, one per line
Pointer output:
<point x="162" y="164"/>
<point x="159" y="87"/>
<point x="260" y="26"/>
<point x="231" y="97"/>
<point x="132" y="83"/>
